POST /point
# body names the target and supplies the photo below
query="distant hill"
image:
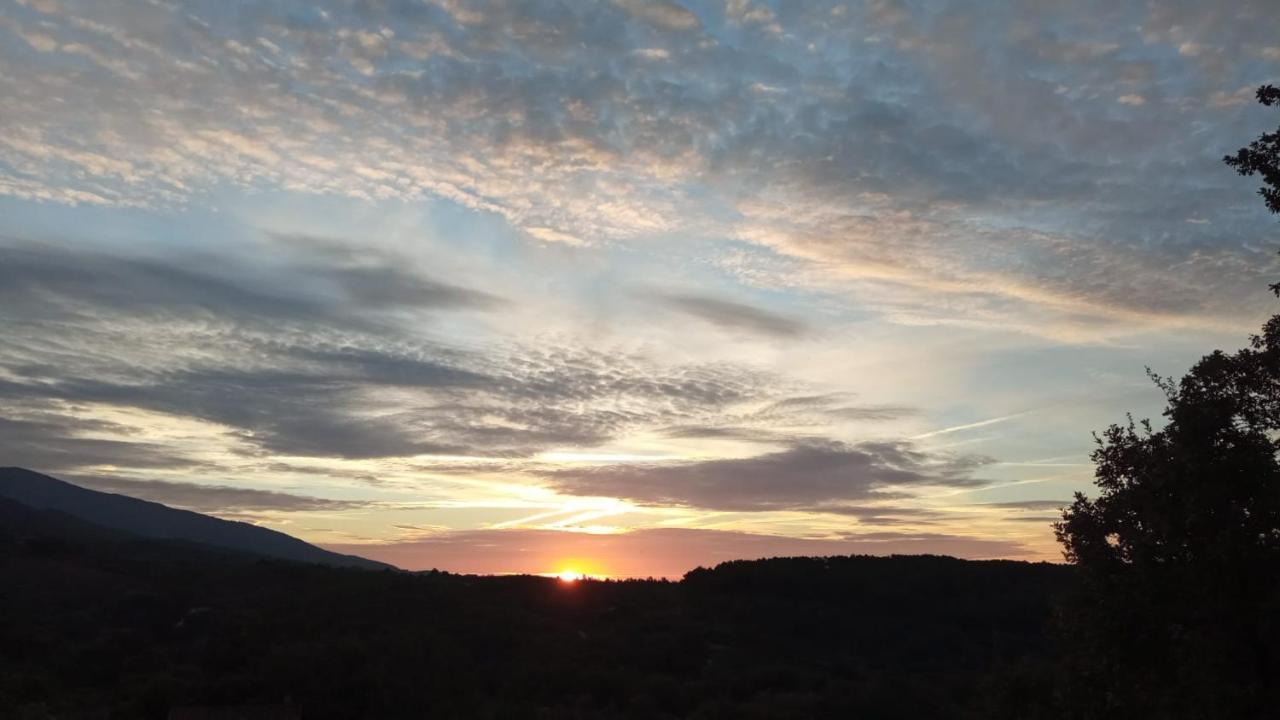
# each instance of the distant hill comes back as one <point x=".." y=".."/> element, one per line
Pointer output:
<point x="23" y="522"/>
<point x="153" y="520"/>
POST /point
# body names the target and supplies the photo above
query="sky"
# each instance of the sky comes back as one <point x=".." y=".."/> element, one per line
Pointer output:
<point x="624" y="287"/>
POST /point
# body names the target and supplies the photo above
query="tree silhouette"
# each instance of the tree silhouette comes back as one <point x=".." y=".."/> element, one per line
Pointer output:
<point x="1262" y="157"/>
<point x="1179" y="555"/>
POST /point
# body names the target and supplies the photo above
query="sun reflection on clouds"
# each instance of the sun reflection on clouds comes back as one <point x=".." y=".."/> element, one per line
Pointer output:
<point x="571" y="516"/>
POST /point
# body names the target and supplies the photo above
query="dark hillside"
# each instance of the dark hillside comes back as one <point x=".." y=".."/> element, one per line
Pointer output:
<point x="153" y="520"/>
<point x="100" y="624"/>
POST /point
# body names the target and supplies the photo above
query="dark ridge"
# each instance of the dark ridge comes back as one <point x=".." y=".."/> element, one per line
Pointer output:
<point x="153" y="520"/>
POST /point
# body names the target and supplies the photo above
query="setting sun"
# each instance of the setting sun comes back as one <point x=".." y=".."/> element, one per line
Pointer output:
<point x="569" y="576"/>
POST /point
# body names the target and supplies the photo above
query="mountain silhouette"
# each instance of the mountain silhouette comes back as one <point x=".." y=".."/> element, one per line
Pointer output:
<point x="153" y="520"/>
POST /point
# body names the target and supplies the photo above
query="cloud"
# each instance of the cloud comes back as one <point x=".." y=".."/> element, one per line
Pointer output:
<point x="884" y="159"/>
<point x="291" y="413"/>
<point x="883" y="515"/>
<point x="295" y="369"/>
<point x="48" y="279"/>
<point x="52" y="442"/>
<point x="378" y="280"/>
<point x="387" y="287"/>
<point x="801" y="476"/>
<point x="213" y="498"/>
<point x="1030" y="505"/>
<point x="904" y="156"/>
<point x="1045" y="520"/>
<point x="41" y="278"/>
<point x="654" y="552"/>
<point x="826" y="407"/>
<point x="790" y="418"/>
<point x="734" y="316"/>
<point x="551" y="235"/>
<point x="972" y="425"/>
<point x="699" y="432"/>
<point x="653" y="53"/>
<point x="373" y="402"/>
<point x="668" y="15"/>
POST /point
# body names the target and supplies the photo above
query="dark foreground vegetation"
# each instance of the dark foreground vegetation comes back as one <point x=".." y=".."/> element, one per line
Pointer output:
<point x="97" y="624"/>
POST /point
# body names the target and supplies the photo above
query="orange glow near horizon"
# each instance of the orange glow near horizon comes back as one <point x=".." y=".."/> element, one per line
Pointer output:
<point x="650" y="552"/>
<point x="573" y="569"/>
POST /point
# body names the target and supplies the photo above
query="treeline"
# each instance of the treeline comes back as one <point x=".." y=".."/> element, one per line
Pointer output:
<point x="121" y="628"/>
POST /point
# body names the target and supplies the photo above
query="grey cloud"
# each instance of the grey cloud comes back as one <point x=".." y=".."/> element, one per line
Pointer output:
<point x="293" y="412"/>
<point x="40" y="278"/>
<point x="312" y="400"/>
<point x="881" y="515"/>
<point x="309" y="414"/>
<point x="734" y="315"/>
<point x="746" y="434"/>
<point x="50" y="442"/>
<point x="801" y="476"/>
<point x="1029" y="505"/>
<point x="873" y="412"/>
<point x="296" y="374"/>
<point x="389" y="287"/>
<point x="212" y="498"/>
<point x="374" y="279"/>
<point x="86" y="283"/>
<point x="321" y="471"/>
<point x="428" y="367"/>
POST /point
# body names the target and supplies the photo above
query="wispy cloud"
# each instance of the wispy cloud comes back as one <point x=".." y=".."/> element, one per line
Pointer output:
<point x="734" y="315"/>
<point x="217" y="499"/>
<point x="970" y="426"/>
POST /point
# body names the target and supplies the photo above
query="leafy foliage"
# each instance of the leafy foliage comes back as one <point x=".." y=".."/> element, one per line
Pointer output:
<point x="1262" y="156"/>
<point x="1179" y="555"/>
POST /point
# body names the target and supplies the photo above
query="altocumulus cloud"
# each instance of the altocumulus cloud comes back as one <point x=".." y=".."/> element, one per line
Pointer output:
<point x="893" y="145"/>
